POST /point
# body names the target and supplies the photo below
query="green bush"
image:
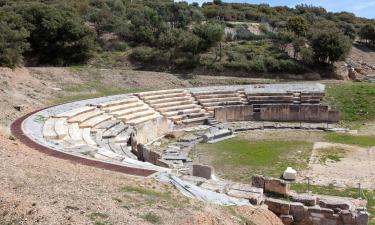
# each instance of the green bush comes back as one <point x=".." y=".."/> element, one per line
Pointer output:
<point x="13" y="41"/>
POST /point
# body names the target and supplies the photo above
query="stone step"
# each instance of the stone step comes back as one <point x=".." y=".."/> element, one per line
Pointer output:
<point x="108" y="124"/>
<point x="209" y="100"/>
<point x="143" y="119"/>
<point x="189" y="116"/>
<point x="118" y="102"/>
<point x="153" y="97"/>
<point x="194" y="120"/>
<point x="123" y="137"/>
<point x="93" y="122"/>
<point x="106" y="154"/>
<point x="173" y="99"/>
<point x="214" y="92"/>
<point x="114" y="131"/>
<point x="183" y="112"/>
<point x="179" y="107"/>
<point x="75" y="133"/>
<point x="127" y="151"/>
<point x="124" y="107"/>
<point x="210" y="96"/>
<point x="61" y="128"/>
<point x="85" y="116"/>
<point x="130" y="111"/>
<point x="75" y="112"/>
<point x="210" y="104"/>
<point x="49" y="128"/>
<point x="86" y="136"/>
<point x="169" y="104"/>
<point x="161" y="92"/>
<point x="116" y="148"/>
<point x="137" y="115"/>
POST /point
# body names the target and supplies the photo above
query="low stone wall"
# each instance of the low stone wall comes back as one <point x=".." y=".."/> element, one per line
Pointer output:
<point x="152" y="129"/>
<point x="305" y="113"/>
<point x="234" y="113"/>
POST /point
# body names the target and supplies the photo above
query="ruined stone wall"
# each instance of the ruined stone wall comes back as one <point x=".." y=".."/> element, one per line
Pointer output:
<point x="301" y="113"/>
<point x="310" y="209"/>
<point x="234" y="113"/>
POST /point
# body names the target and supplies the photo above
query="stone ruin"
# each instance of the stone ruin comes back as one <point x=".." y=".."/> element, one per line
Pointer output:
<point x="156" y="132"/>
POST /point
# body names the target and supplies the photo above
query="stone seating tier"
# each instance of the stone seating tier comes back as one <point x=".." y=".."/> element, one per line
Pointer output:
<point x="95" y="121"/>
<point x="171" y="95"/>
<point x="137" y="115"/>
<point x="122" y="107"/>
<point x="118" y="102"/>
<point x="85" y="116"/>
<point x="129" y="111"/>
<point x="162" y="92"/>
<point x="75" y="112"/>
<point x="143" y="119"/>
<point x="61" y="128"/>
<point x="173" y="99"/>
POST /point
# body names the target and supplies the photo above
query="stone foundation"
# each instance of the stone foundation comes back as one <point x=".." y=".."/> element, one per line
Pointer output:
<point x="234" y="113"/>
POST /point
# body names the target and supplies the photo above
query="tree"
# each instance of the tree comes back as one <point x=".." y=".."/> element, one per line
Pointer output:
<point x="57" y="36"/>
<point x="298" y="25"/>
<point x="330" y="46"/>
<point x="12" y="39"/>
<point x="367" y="33"/>
<point x="218" y="2"/>
<point x="211" y="34"/>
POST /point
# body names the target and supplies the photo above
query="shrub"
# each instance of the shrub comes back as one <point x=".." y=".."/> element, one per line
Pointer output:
<point x="12" y="39"/>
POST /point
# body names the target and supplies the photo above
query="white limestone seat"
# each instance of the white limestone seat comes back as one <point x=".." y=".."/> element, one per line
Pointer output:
<point x="183" y="112"/>
<point x="161" y="92"/>
<point x="118" y="102"/>
<point x="130" y="111"/>
<point x="85" y="116"/>
<point x="137" y="115"/>
<point x="75" y="133"/>
<point x="86" y="136"/>
<point x="124" y="106"/>
<point x="173" y="99"/>
<point x="172" y="103"/>
<point x="143" y="119"/>
<point x="210" y="100"/>
<point x="153" y="97"/>
<point x="75" y="112"/>
<point x="91" y="123"/>
<point x="61" y="128"/>
<point x="106" y="154"/>
<point x="49" y="128"/>
<point x="179" y="107"/>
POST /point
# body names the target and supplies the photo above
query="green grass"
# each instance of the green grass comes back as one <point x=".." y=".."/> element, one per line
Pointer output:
<point x="331" y="154"/>
<point x="152" y="218"/>
<point x="94" y="93"/>
<point x="356" y="102"/>
<point x="346" y="192"/>
<point x="238" y="158"/>
<point x="363" y="141"/>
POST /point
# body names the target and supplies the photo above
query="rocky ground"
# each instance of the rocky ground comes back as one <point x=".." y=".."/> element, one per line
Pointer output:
<point x="38" y="189"/>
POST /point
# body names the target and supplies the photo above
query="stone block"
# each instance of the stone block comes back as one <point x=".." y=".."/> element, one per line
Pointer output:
<point x="362" y="218"/>
<point x="279" y="207"/>
<point x="290" y="174"/>
<point x="202" y="171"/>
<point x="298" y="211"/>
<point x="347" y="217"/>
<point x="306" y="199"/>
<point x="258" y="181"/>
<point x="276" y="186"/>
<point x="254" y="198"/>
<point x="325" y="221"/>
<point x="333" y="203"/>
<point x="286" y="219"/>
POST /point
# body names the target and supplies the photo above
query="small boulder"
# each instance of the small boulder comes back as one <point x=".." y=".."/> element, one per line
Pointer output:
<point x="290" y="174"/>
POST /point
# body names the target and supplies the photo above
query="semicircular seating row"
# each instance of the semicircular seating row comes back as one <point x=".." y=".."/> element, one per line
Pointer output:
<point x="103" y="131"/>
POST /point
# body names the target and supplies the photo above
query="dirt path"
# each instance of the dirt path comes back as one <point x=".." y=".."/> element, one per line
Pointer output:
<point x="356" y="166"/>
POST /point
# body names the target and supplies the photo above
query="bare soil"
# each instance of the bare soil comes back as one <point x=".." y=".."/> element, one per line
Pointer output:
<point x="39" y="189"/>
<point x="356" y="166"/>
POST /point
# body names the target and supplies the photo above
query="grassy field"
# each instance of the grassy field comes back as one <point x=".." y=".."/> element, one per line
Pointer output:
<point x="238" y="159"/>
<point x="363" y="141"/>
<point x="356" y="102"/>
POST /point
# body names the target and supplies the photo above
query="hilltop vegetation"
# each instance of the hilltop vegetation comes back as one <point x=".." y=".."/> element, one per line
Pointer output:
<point x="163" y="35"/>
